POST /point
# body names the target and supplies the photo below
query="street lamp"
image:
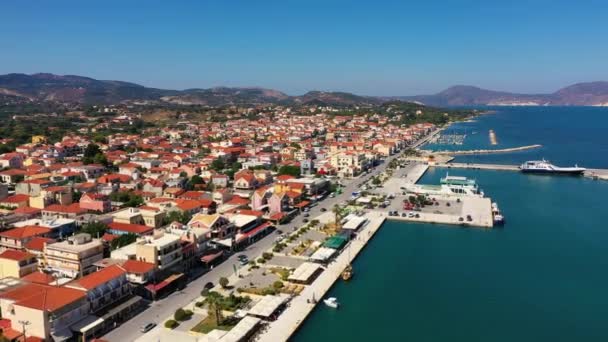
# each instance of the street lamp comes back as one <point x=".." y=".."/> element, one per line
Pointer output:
<point x="23" y="325"/>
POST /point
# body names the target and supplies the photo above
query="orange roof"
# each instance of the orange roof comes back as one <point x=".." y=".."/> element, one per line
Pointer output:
<point x="186" y="205"/>
<point x="25" y="232"/>
<point x="107" y="237"/>
<point x="130" y="228"/>
<point x="37" y="243"/>
<point x="16" y="199"/>
<point x="100" y="277"/>
<point x="27" y="210"/>
<point x="39" y="278"/>
<point x="73" y="208"/>
<point x="134" y="266"/>
<point x="251" y="212"/>
<point x="43" y="297"/>
<point x="15" y="255"/>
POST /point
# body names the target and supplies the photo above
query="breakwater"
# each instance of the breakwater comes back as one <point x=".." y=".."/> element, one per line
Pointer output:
<point x="490" y="151"/>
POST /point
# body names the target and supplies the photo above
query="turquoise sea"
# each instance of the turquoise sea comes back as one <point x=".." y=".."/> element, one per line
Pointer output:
<point x="540" y="278"/>
<point x="569" y="135"/>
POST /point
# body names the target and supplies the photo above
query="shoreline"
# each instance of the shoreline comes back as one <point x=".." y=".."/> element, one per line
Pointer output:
<point x="300" y="307"/>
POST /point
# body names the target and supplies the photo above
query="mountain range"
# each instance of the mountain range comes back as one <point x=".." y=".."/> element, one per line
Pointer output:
<point x="79" y="89"/>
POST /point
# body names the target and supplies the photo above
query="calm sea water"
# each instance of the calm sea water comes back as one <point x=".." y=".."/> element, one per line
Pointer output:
<point x="569" y="135"/>
<point x="540" y="278"/>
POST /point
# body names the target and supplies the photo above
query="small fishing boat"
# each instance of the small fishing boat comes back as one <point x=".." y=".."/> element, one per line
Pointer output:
<point x="332" y="302"/>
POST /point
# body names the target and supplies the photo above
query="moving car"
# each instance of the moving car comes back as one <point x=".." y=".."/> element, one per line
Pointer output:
<point x="147" y="327"/>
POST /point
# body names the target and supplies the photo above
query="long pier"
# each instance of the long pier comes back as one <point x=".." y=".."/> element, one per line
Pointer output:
<point x="490" y="151"/>
<point x="590" y="173"/>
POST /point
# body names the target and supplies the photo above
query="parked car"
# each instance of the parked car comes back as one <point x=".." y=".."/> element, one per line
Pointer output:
<point x="403" y="214"/>
<point x="306" y="214"/>
<point x="323" y="210"/>
<point x="147" y="327"/>
<point x="305" y="220"/>
<point x="208" y="286"/>
<point x="278" y="231"/>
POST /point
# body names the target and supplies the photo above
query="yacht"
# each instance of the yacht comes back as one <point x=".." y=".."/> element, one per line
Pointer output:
<point x="450" y="186"/>
<point x="499" y="220"/>
<point x="544" y="166"/>
<point x="332" y="302"/>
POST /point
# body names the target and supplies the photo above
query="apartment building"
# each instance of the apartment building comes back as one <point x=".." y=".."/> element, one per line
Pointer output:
<point x="73" y="257"/>
<point x="17" y="264"/>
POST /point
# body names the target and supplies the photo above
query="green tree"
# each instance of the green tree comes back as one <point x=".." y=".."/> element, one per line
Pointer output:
<point x="214" y="302"/>
<point x="95" y="229"/>
<point x="291" y="170"/>
<point x="178" y="216"/>
<point x="123" y="240"/>
<point x="218" y="164"/>
<point x="337" y="212"/>
<point x="180" y="315"/>
<point x="91" y="151"/>
<point x="224" y="282"/>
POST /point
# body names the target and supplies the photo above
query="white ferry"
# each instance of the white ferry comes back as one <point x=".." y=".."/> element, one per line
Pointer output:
<point x="450" y="186"/>
<point x="544" y="166"/>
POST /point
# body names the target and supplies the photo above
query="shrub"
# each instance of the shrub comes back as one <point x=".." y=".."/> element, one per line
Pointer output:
<point x="204" y="292"/>
<point x="189" y="313"/>
<point x="180" y="315"/>
<point x="267" y="255"/>
<point x="278" y="284"/>
<point x="224" y="282"/>
<point x="199" y="304"/>
<point x="171" y="324"/>
<point x="261" y="261"/>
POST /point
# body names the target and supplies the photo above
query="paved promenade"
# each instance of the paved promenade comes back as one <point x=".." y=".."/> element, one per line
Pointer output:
<point x="299" y="309"/>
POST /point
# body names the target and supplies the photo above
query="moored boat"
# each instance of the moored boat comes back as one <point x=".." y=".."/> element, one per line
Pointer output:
<point x="545" y="167"/>
<point x="332" y="302"/>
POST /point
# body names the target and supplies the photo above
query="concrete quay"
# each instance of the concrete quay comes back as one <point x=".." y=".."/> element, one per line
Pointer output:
<point x="301" y="306"/>
<point x="478" y="166"/>
<point x="600" y="174"/>
<point x="479" y="209"/>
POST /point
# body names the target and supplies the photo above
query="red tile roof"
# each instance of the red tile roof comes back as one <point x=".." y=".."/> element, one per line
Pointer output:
<point x="130" y="228"/>
<point x="37" y="243"/>
<point x="39" y="278"/>
<point x="98" y="278"/>
<point x="15" y="255"/>
<point x="25" y="232"/>
<point x="73" y="208"/>
<point x="27" y="211"/>
<point x="43" y="297"/>
<point x="16" y="199"/>
<point x="137" y="267"/>
<point x="107" y="237"/>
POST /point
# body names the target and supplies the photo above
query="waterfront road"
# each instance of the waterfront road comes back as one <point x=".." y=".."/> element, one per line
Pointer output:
<point x="164" y="308"/>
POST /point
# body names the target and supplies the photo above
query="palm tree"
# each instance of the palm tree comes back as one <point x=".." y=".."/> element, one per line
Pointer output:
<point x="214" y="301"/>
<point x="336" y="210"/>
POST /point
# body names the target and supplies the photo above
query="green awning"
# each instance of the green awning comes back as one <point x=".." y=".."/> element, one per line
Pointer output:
<point x="335" y="242"/>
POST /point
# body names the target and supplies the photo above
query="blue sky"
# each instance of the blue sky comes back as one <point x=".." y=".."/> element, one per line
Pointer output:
<point x="366" y="47"/>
